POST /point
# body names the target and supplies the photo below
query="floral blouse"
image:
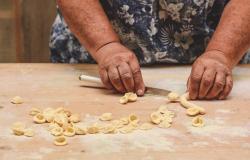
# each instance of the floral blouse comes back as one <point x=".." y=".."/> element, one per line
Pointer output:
<point x="158" y="31"/>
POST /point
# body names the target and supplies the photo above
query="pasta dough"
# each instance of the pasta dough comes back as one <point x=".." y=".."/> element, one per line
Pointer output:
<point x="146" y="126"/>
<point x="106" y="117"/>
<point x="17" y="100"/>
<point x="198" y="121"/>
<point x="60" y="141"/>
<point x="29" y="132"/>
<point x="128" y="97"/>
<point x="173" y="97"/>
<point x="39" y="118"/>
<point x="184" y="102"/>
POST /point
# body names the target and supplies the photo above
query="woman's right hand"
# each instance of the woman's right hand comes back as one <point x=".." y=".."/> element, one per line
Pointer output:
<point x="119" y="69"/>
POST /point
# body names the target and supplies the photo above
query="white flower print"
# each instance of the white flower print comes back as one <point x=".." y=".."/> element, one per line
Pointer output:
<point x="152" y="29"/>
<point x="198" y="2"/>
<point x="129" y="18"/>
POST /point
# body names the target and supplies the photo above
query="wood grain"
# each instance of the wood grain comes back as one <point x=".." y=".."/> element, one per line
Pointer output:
<point x="226" y="135"/>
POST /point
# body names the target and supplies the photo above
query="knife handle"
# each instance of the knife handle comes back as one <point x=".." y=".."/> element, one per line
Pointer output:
<point x="90" y="79"/>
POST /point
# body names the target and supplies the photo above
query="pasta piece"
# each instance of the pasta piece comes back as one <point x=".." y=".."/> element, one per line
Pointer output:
<point x="29" y="132"/>
<point x="106" y="117"/>
<point x="61" y="119"/>
<point x="123" y="100"/>
<point x="17" y="100"/>
<point x="164" y="124"/>
<point x="68" y="113"/>
<point x="173" y="97"/>
<point x="117" y="123"/>
<point x="184" y="102"/>
<point x="52" y="126"/>
<point x="69" y="132"/>
<point x="75" y="118"/>
<point x="156" y="117"/>
<point x="192" y="111"/>
<point x="132" y="97"/>
<point x="18" y="128"/>
<point x="59" y="110"/>
<point x="60" y="141"/>
<point x="57" y="131"/>
<point x="162" y="109"/>
<point x="146" y="126"/>
<point x="80" y="130"/>
<point x="126" y="129"/>
<point x="34" y="111"/>
<point x="93" y="129"/>
<point x="198" y="121"/>
<point x="19" y="125"/>
<point x="39" y="118"/>
<point x="167" y="118"/>
<point x="124" y="120"/>
<point x="109" y="129"/>
<point x="133" y="118"/>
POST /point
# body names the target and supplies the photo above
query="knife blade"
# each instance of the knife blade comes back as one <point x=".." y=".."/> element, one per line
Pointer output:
<point x="98" y="84"/>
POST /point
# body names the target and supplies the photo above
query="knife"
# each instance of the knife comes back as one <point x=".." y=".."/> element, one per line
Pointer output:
<point x="96" y="80"/>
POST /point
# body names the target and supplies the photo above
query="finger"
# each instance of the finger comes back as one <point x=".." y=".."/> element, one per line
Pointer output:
<point x="126" y="76"/>
<point x="228" y="87"/>
<point x="115" y="79"/>
<point x="195" y="79"/>
<point x="105" y="78"/>
<point x="218" y="86"/>
<point x="138" y="81"/>
<point x="207" y="82"/>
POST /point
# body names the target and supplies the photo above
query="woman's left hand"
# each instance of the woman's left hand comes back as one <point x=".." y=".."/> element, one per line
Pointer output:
<point x="211" y="77"/>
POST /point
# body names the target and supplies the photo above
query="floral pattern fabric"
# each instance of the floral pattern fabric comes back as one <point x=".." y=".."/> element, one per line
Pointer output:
<point x="158" y="31"/>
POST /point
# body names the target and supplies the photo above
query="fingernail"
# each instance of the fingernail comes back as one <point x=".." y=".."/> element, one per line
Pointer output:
<point x="139" y="92"/>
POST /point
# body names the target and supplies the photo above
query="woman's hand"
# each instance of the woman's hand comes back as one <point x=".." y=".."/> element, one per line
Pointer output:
<point x="119" y="69"/>
<point x="211" y="77"/>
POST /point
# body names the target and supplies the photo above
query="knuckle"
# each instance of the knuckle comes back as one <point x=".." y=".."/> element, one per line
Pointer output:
<point x="126" y="76"/>
<point x="207" y="82"/>
<point x="195" y="78"/>
<point x="219" y="85"/>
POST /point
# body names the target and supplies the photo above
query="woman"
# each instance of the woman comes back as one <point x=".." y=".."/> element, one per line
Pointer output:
<point x="121" y="34"/>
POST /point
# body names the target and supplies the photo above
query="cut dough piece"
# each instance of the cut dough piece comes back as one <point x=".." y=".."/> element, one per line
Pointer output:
<point x="75" y="118"/>
<point x="93" y="129"/>
<point x="198" y="121"/>
<point x="57" y="131"/>
<point x="109" y="129"/>
<point x="126" y="129"/>
<point x="167" y="118"/>
<point x="49" y="117"/>
<point x="61" y="119"/>
<point x="146" y="126"/>
<point x="117" y="123"/>
<point x="39" y="118"/>
<point x="124" y="120"/>
<point x="17" y="100"/>
<point x="123" y="100"/>
<point x="80" y="130"/>
<point x="18" y="125"/>
<point x="193" y="111"/>
<point x="52" y="126"/>
<point x="69" y="132"/>
<point x="162" y="109"/>
<point x="29" y="132"/>
<point x="106" y="117"/>
<point x="133" y="118"/>
<point x="60" y="141"/>
<point x="68" y="113"/>
<point x="184" y="102"/>
<point x="156" y="117"/>
<point x="173" y="97"/>
<point x="132" y="97"/>
<point x="34" y="111"/>
<point x="164" y="124"/>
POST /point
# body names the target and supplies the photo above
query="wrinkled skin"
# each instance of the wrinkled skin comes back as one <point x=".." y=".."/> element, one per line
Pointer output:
<point x="119" y="69"/>
<point x="211" y="77"/>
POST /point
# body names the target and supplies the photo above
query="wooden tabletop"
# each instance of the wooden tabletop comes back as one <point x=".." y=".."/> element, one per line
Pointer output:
<point x="226" y="134"/>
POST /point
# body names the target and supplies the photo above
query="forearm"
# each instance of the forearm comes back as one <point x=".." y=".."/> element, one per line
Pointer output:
<point x="89" y="23"/>
<point x="232" y="36"/>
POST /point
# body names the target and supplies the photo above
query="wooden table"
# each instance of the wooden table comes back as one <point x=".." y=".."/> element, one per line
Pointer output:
<point x="225" y="136"/>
